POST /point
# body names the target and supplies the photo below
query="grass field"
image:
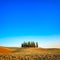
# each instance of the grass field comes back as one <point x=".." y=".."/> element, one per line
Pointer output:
<point x="16" y="53"/>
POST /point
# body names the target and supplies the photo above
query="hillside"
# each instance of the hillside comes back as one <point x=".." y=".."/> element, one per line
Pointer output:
<point x="16" y="53"/>
<point x="37" y="50"/>
<point x="29" y="50"/>
<point x="5" y="50"/>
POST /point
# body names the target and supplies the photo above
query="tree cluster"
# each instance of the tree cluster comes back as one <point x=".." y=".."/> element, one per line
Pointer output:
<point x="29" y="44"/>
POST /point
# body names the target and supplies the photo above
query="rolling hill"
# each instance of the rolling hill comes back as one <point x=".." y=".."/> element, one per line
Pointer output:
<point x="5" y="50"/>
<point x="29" y="50"/>
<point x="37" y="50"/>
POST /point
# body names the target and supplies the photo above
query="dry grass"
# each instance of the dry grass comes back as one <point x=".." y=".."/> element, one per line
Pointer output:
<point x="14" y="53"/>
<point x="37" y="50"/>
<point x="5" y="50"/>
<point x="28" y="50"/>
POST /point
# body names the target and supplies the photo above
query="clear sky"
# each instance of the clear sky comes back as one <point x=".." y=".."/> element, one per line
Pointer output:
<point x="30" y="20"/>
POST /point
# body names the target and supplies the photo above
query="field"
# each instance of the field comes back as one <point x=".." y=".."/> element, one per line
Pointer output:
<point x="16" y="53"/>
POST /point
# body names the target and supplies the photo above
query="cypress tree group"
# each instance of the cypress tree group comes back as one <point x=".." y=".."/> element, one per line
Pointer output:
<point x="36" y="44"/>
<point x="29" y="44"/>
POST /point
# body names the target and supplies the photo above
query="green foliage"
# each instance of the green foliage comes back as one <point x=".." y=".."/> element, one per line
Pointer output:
<point x="36" y="44"/>
<point x="29" y="44"/>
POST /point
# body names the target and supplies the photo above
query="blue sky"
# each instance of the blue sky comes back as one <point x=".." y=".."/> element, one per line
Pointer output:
<point x="23" y="20"/>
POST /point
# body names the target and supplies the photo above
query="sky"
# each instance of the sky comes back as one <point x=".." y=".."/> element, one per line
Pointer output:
<point x="30" y="20"/>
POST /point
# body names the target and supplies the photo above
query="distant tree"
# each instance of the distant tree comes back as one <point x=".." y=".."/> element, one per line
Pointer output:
<point x="32" y="44"/>
<point x="36" y="44"/>
<point x="25" y="44"/>
<point x="29" y="44"/>
<point x="22" y="45"/>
